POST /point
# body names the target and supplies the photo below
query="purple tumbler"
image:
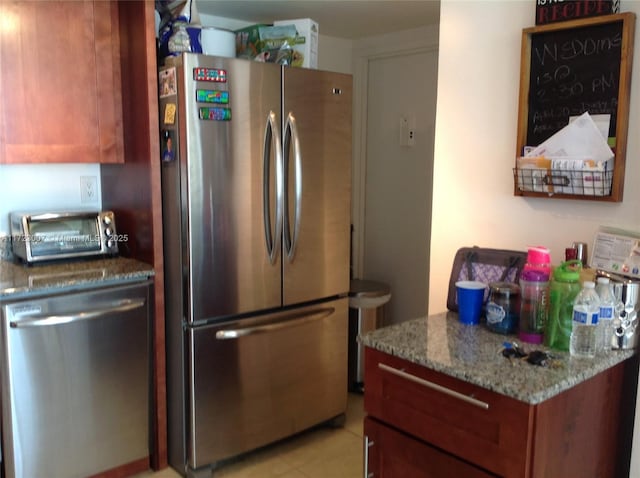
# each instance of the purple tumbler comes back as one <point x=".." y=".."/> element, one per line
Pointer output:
<point x="534" y="305"/>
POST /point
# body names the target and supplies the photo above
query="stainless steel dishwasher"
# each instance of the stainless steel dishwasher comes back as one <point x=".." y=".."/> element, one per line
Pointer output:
<point x="75" y="381"/>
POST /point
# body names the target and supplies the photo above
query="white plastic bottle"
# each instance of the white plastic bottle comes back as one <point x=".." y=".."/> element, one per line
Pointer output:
<point x="606" y="314"/>
<point x="585" y="322"/>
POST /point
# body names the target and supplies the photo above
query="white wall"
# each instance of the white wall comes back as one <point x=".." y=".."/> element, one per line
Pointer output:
<point x="475" y="144"/>
<point x="335" y="54"/>
<point x="27" y="187"/>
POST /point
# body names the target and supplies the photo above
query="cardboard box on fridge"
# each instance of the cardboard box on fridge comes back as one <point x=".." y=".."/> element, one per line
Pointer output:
<point x="308" y="29"/>
<point x="248" y="41"/>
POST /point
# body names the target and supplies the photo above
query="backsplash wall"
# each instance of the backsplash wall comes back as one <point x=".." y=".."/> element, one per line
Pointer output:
<point x="32" y="187"/>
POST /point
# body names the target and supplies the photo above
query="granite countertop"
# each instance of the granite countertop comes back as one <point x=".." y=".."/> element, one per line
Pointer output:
<point x="18" y="280"/>
<point x="473" y="353"/>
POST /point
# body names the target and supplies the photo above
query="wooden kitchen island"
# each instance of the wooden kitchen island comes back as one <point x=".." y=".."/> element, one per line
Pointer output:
<point x="442" y="401"/>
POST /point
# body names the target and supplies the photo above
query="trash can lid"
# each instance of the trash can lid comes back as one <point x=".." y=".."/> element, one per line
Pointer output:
<point x="368" y="288"/>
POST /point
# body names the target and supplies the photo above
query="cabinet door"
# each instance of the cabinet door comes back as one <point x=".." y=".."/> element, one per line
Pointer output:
<point x="60" y="85"/>
<point x="392" y="454"/>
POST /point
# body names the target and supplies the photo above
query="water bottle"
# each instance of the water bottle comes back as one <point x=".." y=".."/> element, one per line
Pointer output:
<point x="584" y="334"/>
<point x="606" y="315"/>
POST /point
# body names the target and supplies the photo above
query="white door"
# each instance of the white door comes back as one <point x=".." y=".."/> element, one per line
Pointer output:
<point x="399" y="176"/>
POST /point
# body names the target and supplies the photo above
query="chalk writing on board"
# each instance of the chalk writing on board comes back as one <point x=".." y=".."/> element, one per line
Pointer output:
<point x="573" y="71"/>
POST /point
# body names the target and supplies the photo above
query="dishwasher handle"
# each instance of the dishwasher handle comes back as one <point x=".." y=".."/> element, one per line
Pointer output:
<point x="42" y="320"/>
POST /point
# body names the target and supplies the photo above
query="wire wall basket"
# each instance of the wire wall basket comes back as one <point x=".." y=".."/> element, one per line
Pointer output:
<point x="560" y="181"/>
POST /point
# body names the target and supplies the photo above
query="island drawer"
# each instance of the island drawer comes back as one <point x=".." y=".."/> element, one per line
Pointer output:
<point x="475" y="424"/>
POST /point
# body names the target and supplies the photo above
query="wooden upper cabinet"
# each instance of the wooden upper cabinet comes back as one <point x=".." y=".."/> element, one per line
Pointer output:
<point x="60" y="82"/>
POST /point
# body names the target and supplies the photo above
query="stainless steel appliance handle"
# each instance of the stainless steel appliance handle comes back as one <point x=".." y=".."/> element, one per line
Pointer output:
<point x="281" y="324"/>
<point x="41" y="320"/>
<point x="434" y="386"/>
<point x="292" y="141"/>
<point x="367" y="444"/>
<point x="272" y="144"/>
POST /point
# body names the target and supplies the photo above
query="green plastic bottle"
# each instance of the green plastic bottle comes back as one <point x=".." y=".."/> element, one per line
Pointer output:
<point x="564" y="287"/>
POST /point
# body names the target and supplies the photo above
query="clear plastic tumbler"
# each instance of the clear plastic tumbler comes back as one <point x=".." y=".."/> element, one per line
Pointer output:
<point x="534" y="305"/>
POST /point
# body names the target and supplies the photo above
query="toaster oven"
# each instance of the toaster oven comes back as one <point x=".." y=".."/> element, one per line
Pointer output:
<point x="50" y="236"/>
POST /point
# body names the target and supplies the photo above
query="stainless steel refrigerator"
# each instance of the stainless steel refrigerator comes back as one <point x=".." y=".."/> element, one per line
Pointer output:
<point x="256" y="181"/>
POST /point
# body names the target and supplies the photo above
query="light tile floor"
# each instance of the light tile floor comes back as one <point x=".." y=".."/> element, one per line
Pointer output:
<point x="321" y="452"/>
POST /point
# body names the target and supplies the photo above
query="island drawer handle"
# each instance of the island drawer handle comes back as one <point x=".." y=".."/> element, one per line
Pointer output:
<point x="434" y="386"/>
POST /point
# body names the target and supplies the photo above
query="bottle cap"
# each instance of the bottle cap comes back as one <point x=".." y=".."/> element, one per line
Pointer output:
<point x="603" y="280"/>
<point x="538" y="255"/>
<point x="568" y="271"/>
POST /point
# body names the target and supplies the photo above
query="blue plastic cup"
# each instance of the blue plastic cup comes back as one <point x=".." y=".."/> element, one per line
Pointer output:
<point x="470" y="298"/>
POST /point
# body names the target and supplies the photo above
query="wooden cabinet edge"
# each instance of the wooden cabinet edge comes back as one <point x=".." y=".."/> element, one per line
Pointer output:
<point x="132" y="189"/>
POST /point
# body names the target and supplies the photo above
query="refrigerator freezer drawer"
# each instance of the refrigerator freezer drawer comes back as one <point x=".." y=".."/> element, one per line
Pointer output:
<point x="258" y="380"/>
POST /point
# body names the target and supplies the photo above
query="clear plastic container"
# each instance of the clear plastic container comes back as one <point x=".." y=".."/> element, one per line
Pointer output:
<point x="503" y="307"/>
<point x="534" y="305"/>
<point x="584" y="333"/>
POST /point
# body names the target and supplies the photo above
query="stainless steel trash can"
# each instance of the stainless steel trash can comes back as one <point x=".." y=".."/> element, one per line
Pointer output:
<point x="366" y="313"/>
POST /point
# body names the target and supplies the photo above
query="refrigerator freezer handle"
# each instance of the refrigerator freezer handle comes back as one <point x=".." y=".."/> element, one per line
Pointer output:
<point x="292" y="142"/>
<point x="273" y="326"/>
<point x="272" y="144"/>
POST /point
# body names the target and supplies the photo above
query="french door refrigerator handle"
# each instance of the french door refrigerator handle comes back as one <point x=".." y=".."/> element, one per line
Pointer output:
<point x="282" y="324"/>
<point x="41" y="320"/>
<point x="291" y="138"/>
<point x="272" y="143"/>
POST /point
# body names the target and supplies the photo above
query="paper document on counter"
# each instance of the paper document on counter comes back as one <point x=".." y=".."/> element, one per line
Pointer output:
<point x="617" y="251"/>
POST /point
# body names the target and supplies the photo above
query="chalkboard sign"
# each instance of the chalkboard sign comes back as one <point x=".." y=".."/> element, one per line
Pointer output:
<point x="573" y="67"/>
<point x="573" y="71"/>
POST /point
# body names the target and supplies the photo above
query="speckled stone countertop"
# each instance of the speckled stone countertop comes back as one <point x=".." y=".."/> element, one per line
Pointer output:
<point x="18" y="280"/>
<point x="473" y="353"/>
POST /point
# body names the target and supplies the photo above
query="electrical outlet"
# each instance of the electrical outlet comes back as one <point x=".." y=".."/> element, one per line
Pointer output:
<point x="88" y="189"/>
